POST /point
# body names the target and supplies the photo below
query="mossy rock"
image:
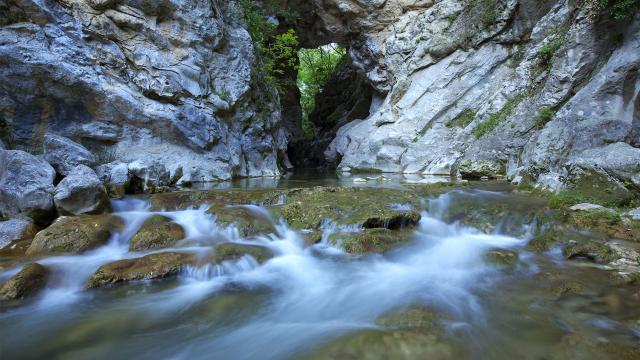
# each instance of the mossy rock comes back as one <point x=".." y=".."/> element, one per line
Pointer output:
<point x="567" y="288"/>
<point x="480" y="169"/>
<point x="591" y="250"/>
<point x="416" y="317"/>
<point x="502" y="257"/>
<point x="394" y="222"/>
<point x="589" y="185"/>
<point x="26" y="283"/>
<point x="308" y="208"/>
<point x="378" y="240"/>
<point x="603" y="221"/>
<point x="247" y="223"/>
<point x="75" y="234"/>
<point x="216" y="198"/>
<point x="231" y="251"/>
<point x="150" y="267"/>
<point x="580" y="346"/>
<point x="157" y="232"/>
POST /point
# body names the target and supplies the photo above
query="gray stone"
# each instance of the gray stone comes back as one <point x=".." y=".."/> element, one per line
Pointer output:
<point x="586" y="207"/>
<point x="81" y="192"/>
<point x="149" y="175"/>
<point x="26" y="186"/>
<point x="16" y="230"/>
<point x="116" y="178"/>
<point x="64" y="155"/>
<point x="633" y="214"/>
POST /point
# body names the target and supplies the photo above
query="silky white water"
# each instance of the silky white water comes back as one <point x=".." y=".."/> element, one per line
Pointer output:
<point x="299" y="299"/>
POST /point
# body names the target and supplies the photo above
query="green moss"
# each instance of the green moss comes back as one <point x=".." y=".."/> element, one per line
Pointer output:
<point x="591" y="250"/>
<point x="548" y="51"/>
<point x="229" y="251"/>
<point x="545" y="115"/>
<point x="463" y="120"/>
<point x="496" y="118"/>
<point x="617" y="9"/>
<point x="502" y="257"/>
<point x="379" y="240"/>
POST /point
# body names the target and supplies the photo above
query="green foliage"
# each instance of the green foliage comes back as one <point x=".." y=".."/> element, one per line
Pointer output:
<point x="489" y="12"/>
<point x="547" y="52"/>
<point x="617" y="9"/>
<point x="276" y="53"/>
<point x="316" y="67"/>
<point x="566" y="199"/>
<point x="496" y="118"/>
<point x="465" y="118"/>
<point x="544" y="116"/>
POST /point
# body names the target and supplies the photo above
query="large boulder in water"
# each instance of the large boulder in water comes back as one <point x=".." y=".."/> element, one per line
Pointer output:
<point x="65" y="154"/>
<point x="154" y="266"/>
<point x="148" y="176"/>
<point x="29" y="281"/>
<point x="81" y="192"/>
<point x="26" y="186"/>
<point x="75" y="234"/>
<point x="157" y="232"/>
<point x="231" y="251"/>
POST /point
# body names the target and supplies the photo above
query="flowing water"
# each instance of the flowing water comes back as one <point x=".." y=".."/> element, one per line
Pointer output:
<point x="304" y="298"/>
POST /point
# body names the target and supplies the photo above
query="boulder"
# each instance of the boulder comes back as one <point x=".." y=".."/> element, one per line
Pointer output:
<point x="81" y="192"/>
<point x="633" y="214"/>
<point x="26" y="283"/>
<point x="16" y="230"/>
<point x="26" y="186"/>
<point x="115" y="177"/>
<point x="150" y="267"/>
<point x="64" y="155"/>
<point x="75" y="234"/>
<point x="157" y="232"/>
<point x="502" y="257"/>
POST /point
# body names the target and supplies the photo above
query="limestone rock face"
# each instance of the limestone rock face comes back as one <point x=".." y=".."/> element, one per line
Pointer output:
<point x="81" y="192"/>
<point x="26" y="186"/>
<point x="166" y="82"/>
<point x="64" y="155"/>
<point x="523" y="89"/>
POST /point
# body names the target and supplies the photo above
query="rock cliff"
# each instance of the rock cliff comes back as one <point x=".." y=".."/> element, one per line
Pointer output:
<point x="163" y="82"/>
<point x="540" y="92"/>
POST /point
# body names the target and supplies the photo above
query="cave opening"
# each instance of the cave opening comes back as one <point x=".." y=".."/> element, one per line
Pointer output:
<point x="331" y="93"/>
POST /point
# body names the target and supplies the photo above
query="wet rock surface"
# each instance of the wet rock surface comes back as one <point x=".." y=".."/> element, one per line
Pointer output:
<point x="74" y="234"/>
<point x="26" y="283"/>
<point x="157" y="232"/>
<point x="150" y="267"/>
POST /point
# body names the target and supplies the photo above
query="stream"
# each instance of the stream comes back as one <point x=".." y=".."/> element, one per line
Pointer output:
<point x="308" y="301"/>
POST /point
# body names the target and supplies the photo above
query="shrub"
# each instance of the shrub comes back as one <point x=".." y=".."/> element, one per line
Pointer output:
<point x="465" y="118"/>
<point x="495" y="119"/>
<point x="617" y="9"/>
<point x="276" y="53"/>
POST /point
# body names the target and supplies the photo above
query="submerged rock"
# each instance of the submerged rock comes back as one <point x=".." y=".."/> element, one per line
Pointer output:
<point x="586" y="207"/>
<point x="157" y="232"/>
<point x="231" y="251"/>
<point x="378" y="240"/>
<point x="75" y="234"/>
<point x="26" y="283"/>
<point x="502" y="257"/>
<point x="150" y="267"/>
<point x="81" y="192"/>
<point x="26" y="186"/>
<point x="64" y="154"/>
